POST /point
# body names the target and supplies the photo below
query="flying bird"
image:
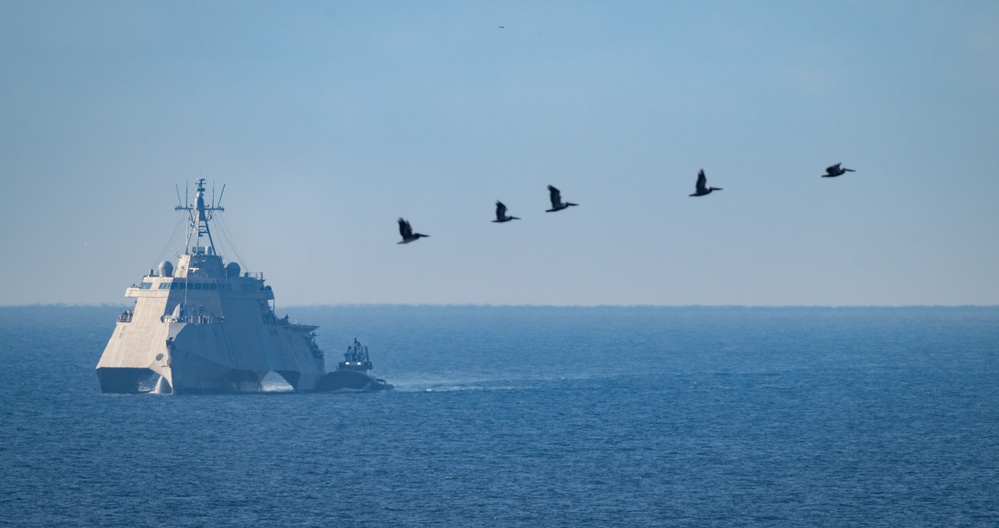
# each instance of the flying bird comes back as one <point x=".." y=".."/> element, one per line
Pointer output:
<point x="501" y="215"/>
<point x="556" y="198"/>
<point x="702" y="185"/>
<point x="407" y="232"/>
<point x="836" y="170"/>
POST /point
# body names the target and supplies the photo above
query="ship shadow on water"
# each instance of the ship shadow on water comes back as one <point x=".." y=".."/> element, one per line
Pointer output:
<point x="272" y="384"/>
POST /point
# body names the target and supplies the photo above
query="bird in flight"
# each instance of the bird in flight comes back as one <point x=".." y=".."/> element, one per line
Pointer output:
<point x="407" y="232"/>
<point x="501" y="215"/>
<point x="702" y="185"/>
<point x="556" y="198"/>
<point x="835" y="170"/>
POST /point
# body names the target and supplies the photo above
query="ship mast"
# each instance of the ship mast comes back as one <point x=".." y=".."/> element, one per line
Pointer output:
<point x="198" y="216"/>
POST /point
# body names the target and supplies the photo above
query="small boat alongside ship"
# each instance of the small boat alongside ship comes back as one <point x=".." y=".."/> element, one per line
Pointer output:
<point x="353" y="373"/>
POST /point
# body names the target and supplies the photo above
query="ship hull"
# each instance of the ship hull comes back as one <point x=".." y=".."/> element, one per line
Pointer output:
<point x="184" y="358"/>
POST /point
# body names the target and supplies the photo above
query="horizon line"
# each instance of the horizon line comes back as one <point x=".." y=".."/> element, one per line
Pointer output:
<point x="486" y="305"/>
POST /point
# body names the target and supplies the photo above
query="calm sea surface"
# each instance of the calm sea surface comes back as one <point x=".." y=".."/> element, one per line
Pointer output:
<point x="528" y="417"/>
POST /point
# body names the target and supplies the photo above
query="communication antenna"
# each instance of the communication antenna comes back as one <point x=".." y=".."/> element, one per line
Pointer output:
<point x="199" y="215"/>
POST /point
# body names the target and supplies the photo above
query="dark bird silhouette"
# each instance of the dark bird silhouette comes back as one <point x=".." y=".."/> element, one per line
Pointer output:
<point x="556" y="198"/>
<point x="702" y="185"/>
<point x="407" y="232"/>
<point x="836" y="170"/>
<point x="501" y="215"/>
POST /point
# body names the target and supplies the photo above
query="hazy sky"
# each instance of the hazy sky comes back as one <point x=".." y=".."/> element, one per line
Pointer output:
<point x="326" y="121"/>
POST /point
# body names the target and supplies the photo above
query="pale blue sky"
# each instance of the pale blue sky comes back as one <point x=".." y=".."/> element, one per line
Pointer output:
<point x="329" y="120"/>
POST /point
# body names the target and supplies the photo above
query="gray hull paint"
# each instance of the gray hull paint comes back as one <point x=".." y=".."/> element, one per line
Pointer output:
<point x="205" y="328"/>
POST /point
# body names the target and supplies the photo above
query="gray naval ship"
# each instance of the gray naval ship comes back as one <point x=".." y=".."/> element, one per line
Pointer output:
<point x="205" y="327"/>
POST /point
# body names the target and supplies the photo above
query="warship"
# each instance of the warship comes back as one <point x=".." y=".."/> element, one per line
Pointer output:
<point x="352" y="373"/>
<point x="205" y="326"/>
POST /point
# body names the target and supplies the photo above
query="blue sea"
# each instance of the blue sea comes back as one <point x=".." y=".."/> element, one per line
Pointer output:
<point x="527" y="416"/>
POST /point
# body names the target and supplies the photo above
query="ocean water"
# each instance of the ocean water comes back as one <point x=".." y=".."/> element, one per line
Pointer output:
<point x="527" y="416"/>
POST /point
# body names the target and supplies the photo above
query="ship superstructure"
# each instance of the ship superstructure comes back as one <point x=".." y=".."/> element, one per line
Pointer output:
<point x="204" y="325"/>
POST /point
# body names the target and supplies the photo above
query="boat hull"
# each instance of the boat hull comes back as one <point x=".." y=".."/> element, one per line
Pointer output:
<point x="339" y="380"/>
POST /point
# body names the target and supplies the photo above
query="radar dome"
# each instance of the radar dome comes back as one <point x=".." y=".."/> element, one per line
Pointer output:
<point x="232" y="270"/>
<point x="166" y="269"/>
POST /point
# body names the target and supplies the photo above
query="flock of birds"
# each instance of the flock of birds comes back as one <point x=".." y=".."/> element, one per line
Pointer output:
<point x="701" y="189"/>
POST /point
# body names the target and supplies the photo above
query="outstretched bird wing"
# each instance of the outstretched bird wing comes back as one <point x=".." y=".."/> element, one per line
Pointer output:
<point x="500" y="210"/>
<point x="404" y="229"/>
<point x="833" y="169"/>
<point x="702" y="181"/>
<point x="555" y="196"/>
